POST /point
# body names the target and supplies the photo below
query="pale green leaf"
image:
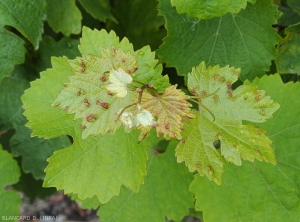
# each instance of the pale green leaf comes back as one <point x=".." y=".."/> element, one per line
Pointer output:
<point x="244" y="40"/>
<point x="49" y="47"/>
<point x="120" y="153"/>
<point x="138" y="20"/>
<point x="99" y="9"/>
<point x="165" y="193"/>
<point x="99" y="165"/>
<point x="64" y="16"/>
<point x="26" y="16"/>
<point x="259" y="191"/>
<point x="9" y="174"/>
<point x="87" y="95"/>
<point x="12" y="52"/>
<point x="34" y="151"/>
<point x="229" y="108"/>
<point x="288" y="51"/>
<point x="295" y="4"/>
<point x="38" y="98"/>
<point x="206" y="9"/>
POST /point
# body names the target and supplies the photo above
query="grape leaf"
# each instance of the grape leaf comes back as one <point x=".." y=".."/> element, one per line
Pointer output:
<point x="243" y="40"/>
<point x="84" y="156"/>
<point x="26" y="16"/>
<point x="34" y="151"/>
<point x="258" y="191"/>
<point x="294" y="5"/>
<point x="64" y="16"/>
<point x="99" y="9"/>
<point x="165" y="193"/>
<point x="9" y="174"/>
<point x="287" y="60"/>
<point x="12" y="52"/>
<point x="86" y="94"/>
<point x="169" y="108"/>
<point x="207" y="9"/>
<point x="100" y="164"/>
<point x="94" y="99"/>
<point x="49" y="47"/>
<point x="142" y="26"/>
<point x="229" y="108"/>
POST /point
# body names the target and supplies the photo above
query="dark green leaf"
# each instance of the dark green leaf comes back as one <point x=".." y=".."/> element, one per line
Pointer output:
<point x="139" y="22"/>
<point x="244" y="40"/>
<point x="64" y="16"/>
<point x="26" y="16"/>
<point x="99" y="9"/>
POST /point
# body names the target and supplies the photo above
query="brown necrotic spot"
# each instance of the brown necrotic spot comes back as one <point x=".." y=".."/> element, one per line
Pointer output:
<point x="229" y="85"/>
<point x="103" y="78"/>
<point x="86" y="102"/>
<point x="104" y="105"/>
<point x="91" y="117"/>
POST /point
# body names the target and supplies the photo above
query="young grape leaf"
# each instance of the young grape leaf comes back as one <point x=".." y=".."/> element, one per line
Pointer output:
<point x="88" y="96"/>
<point x="99" y="9"/>
<point x="98" y="90"/>
<point x="258" y="191"/>
<point x="165" y="193"/>
<point x="26" y="16"/>
<point x="12" y="52"/>
<point x="287" y="60"/>
<point x="169" y="108"/>
<point x="142" y="26"/>
<point x="64" y="16"/>
<point x="209" y="9"/>
<point x="220" y="120"/>
<point x="100" y="164"/>
<point x="243" y="40"/>
<point x="9" y="174"/>
<point x="34" y="151"/>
